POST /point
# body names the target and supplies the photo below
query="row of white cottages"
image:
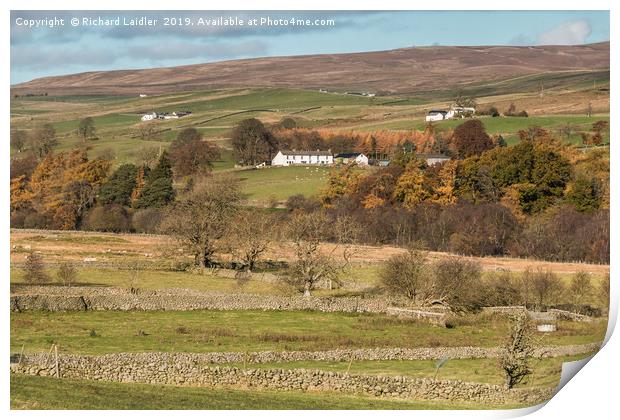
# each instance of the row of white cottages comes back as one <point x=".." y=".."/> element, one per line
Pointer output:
<point x="325" y="158"/>
<point x="319" y="157"/>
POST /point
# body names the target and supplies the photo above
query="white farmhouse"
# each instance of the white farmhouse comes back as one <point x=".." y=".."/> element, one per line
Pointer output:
<point x="149" y="117"/>
<point x="454" y="112"/>
<point x="436" y="115"/>
<point x="296" y="157"/>
<point x="433" y="158"/>
<point x="346" y="158"/>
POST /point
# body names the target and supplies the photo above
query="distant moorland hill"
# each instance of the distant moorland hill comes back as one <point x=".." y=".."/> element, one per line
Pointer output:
<point x="403" y="70"/>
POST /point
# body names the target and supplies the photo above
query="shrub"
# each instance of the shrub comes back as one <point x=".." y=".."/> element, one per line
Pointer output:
<point x="112" y="218"/>
<point x="37" y="221"/>
<point x="406" y="274"/>
<point x="147" y="220"/>
<point x="288" y="123"/>
<point x="456" y="283"/>
<point x="501" y="289"/>
<point x="301" y="202"/>
<point x="18" y="217"/>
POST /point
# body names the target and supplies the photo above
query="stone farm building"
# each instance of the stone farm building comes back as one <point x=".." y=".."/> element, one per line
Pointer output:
<point x="300" y="157"/>
<point x="346" y="158"/>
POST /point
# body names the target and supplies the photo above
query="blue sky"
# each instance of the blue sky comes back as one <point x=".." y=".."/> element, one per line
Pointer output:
<point x="45" y="51"/>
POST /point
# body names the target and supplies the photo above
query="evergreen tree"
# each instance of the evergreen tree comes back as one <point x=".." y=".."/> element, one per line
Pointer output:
<point x="118" y="188"/>
<point x="157" y="191"/>
<point x="584" y="194"/>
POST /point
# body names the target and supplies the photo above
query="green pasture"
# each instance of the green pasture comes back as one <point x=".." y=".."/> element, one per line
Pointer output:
<point x="280" y="183"/>
<point x="255" y="330"/>
<point x="45" y="393"/>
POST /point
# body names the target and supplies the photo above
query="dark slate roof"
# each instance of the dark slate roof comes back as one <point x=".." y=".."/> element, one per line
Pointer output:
<point x="347" y="155"/>
<point x="306" y="153"/>
<point x="437" y="111"/>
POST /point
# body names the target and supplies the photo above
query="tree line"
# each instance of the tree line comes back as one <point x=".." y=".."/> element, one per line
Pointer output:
<point x="539" y="198"/>
<point x="66" y="190"/>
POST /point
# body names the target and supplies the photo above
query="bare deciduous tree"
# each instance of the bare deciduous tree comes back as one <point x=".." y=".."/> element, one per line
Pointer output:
<point x="66" y="274"/>
<point x="148" y="155"/>
<point x="34" y="269"/>
<point x="135" y="267"/>
<point x="249" y="237"/>
<point x="603" y="290"/>
<point x="580" y="288"/>
<point x="147" y="131"/>
<point x="312" y="263"/>
<point x="200" y="218"/>
<point x="407" y="274"/>
<point x="545" y="285"/>
<point x="517" y="352"/>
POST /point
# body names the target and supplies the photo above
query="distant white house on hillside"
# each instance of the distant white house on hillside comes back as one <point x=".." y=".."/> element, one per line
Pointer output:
<point x="454" y="112"/>
<point x="149" y="117"/>
<point x="165" y="115"/>
<point x="297" y="157"/>
<point x="433" y="158"/>
<point x="346" y="158"/>
<point x="436" y="115"/>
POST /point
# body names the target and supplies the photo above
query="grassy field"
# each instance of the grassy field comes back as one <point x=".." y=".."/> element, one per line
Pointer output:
<point x="215" y="112"/>
<point x="161" y="279"/>
<point x="506" y="126"/>
<point x="281" y="183"/>
<point x="204" y="331"/>
<point x="42" y="393"/>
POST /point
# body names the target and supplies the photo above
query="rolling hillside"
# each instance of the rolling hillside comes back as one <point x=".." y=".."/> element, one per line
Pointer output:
<point x="405" y="70"/>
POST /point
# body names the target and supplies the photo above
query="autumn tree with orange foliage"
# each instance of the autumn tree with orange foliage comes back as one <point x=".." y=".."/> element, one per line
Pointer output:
<point x="375" y="144"/>
<point x="410" y="188"/>
<point x="62" y="186"/>
<point x="341" y="181"/>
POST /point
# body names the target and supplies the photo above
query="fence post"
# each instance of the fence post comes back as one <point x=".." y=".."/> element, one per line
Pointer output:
<point x="350" y="362"/>
<point x="57" y="364"/>
<point x="49" y="354"/>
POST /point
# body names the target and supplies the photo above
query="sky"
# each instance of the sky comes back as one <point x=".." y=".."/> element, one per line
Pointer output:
<point x="42" y="46"/>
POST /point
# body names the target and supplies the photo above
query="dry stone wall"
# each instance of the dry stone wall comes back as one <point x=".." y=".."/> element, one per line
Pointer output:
<point x="59" y="298"/>
<point x="345" y="355"/>
<point x="550" y="315"/>
<point x="176" y="369"/>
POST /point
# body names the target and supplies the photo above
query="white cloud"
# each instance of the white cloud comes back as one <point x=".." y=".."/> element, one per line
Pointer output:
<point x="567" y="33"/>
<point x="176" y="51"/>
